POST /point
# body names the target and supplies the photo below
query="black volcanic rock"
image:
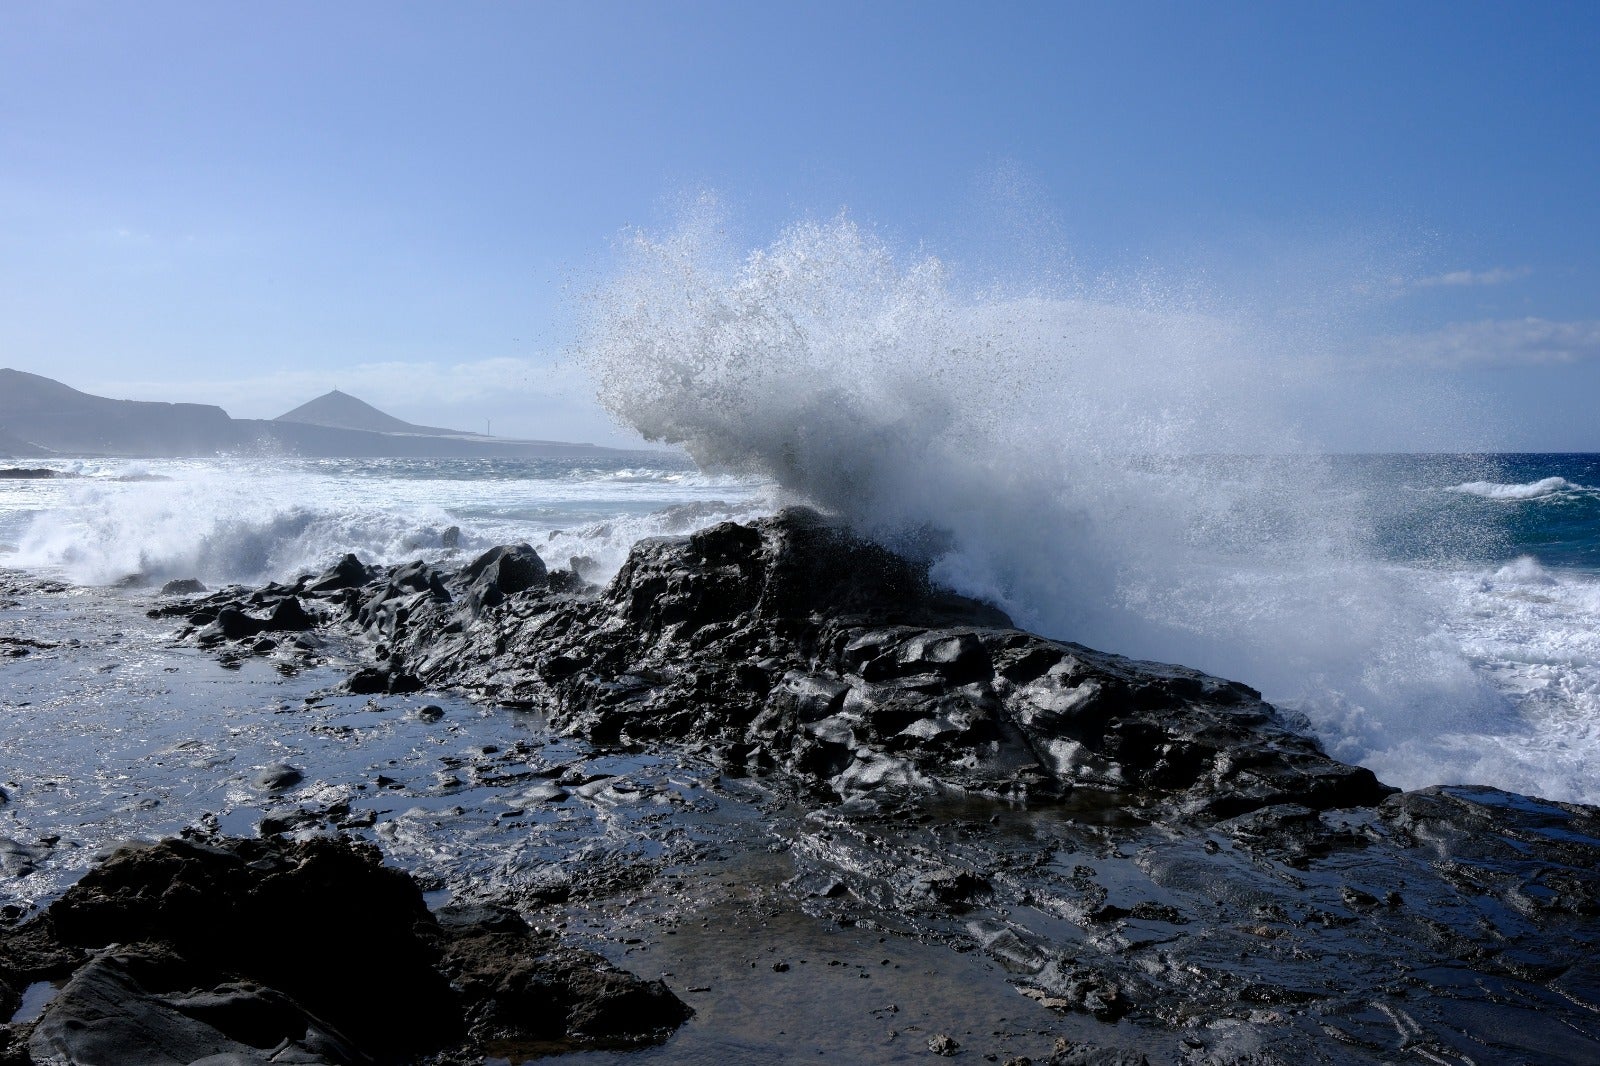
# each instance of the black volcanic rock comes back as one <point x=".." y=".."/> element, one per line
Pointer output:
<point x="312" y="952"/>
<point x="231" y="623"/>
<point x="502" y="572"/>
<point x="1137" y="845"/>
<point x="348" y="573"/>
<point x="794" y="643"/>
<point x="322" y="922"/>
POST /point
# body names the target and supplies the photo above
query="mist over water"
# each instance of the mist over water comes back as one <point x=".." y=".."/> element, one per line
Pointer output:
<point x="254" y="520"/>
<point x="1133" y="467"/>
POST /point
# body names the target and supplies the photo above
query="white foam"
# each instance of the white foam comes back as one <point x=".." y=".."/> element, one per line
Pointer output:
<point x="1074" y="452"/>
<point x="1533" y="635"/>
<point x="237" y="520"/>
<point x="1533" y="490"/>
<point x="1524" y="570"/>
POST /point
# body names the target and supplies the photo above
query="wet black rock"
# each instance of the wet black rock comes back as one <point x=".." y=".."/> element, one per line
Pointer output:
<point x="1203" y="870"/>
<point x="183" y="586"/>
<point x="138" y="1004"/>
<point x="18" y="859"/>
<point x="310" y="952"/>
<point x="348" y="573"/>
<point x="17" y="647"/>
<point x="516" y="984"/>
<point x="277" y="777"/>
<point x="792" y="643"/>
<point x="1069" y="1054"/>
<point x="322" y="922"/>
<point x="502" y="572"/>
<point x="379" y="680"/>
<point x="229" y="621"/>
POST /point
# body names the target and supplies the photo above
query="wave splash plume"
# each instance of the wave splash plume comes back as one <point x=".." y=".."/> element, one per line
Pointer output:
<point x="1081" y="458"/>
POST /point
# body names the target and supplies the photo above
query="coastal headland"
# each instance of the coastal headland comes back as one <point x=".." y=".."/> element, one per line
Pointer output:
<point x="42" y="418"/>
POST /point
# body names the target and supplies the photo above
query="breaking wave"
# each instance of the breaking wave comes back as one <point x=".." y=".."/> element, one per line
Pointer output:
<point x="1492" y="490"/>
<point x="1126" y="465"/>
<point x="231" y="521"/>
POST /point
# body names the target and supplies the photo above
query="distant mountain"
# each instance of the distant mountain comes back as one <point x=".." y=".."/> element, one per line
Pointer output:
<point x="340" y="410"/>
<point x="39" y="413"/>
<point x="52" y="415"/>
<point x="14" y="447"/>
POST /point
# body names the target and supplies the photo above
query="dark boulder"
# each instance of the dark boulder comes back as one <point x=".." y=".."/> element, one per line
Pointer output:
<point x="515" y="983"/>
<point x="144" y="1005"/>
<point x="277" y="777"/>
<point x="323" y="922"/>
<point x="381" y="681"/>
<point x="348" y="573"/>
<point x="312" y="952"/>
<point x="502" y="572"/>
<point x="278" y="614"/>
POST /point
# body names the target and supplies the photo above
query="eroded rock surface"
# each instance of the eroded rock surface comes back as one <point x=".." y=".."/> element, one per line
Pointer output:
<point x="273" y="951"/>
<point x="1135" y="844"/>
<point x="790" y="642"/>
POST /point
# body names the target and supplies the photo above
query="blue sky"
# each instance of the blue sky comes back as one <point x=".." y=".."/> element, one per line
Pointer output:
<point x="249" y="204"/>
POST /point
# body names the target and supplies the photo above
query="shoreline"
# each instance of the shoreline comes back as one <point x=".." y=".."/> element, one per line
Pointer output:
<point x="1277" y="906"/>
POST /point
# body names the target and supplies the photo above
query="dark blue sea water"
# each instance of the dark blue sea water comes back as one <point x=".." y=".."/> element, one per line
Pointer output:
<point x="1484" y="509"/>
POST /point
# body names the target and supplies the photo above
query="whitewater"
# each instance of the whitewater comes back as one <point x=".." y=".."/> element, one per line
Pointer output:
<point x="1120" y="465"/>
<point x="1148" y="468"/>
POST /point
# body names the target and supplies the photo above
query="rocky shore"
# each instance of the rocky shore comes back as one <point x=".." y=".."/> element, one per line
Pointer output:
<point x="1164" y="867"/>
<point x="270" y="951"/>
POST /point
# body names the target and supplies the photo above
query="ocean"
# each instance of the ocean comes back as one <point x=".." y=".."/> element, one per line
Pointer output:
<point x="1434" y="617"/>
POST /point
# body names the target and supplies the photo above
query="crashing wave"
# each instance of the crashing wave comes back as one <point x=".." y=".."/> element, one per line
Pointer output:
<point x="1533" y="490"/>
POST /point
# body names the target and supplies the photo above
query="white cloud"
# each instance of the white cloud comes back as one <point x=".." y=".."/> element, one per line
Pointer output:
<point x="1497" y="343"/>
<point x="1461" y="278"/>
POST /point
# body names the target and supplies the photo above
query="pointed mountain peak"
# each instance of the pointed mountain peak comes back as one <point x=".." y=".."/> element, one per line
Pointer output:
<point x="340" y="410"/>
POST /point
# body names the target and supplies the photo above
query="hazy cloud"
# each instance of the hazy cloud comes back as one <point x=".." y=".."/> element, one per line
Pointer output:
<point x="1498" y="342"/>
<point x="1461" y="278"/>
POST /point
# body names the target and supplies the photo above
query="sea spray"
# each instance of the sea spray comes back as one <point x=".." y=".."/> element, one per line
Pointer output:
<point x="1121" y="467"/>
<point x="221" y="525"/>
<point x="252" y="520"/>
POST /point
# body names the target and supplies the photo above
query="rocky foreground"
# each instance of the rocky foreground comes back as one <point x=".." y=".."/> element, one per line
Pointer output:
<point x="268" y="951"/>
<point x="1156" y="857"/>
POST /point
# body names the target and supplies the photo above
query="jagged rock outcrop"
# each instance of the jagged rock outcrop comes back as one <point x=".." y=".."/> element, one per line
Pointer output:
<point x="792" y="643"/>
<point x="269" y="951"/>
<point x="1187" y="863"/>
